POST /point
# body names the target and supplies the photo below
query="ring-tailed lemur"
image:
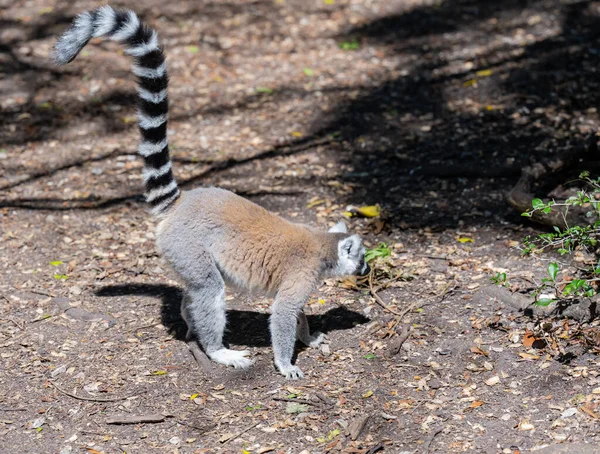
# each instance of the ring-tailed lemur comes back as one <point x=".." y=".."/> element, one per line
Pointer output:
<point x="210" y="235"/>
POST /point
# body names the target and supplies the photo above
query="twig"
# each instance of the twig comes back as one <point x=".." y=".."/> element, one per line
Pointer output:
<point x="433" y="257"/>
<point x="202" y="430"/>
<point x="42" y="318"/>
<point x="324" y="399"/>
<point x="40" y="292"/>
<point x="90" y="399"/>
<point x="298" y="401"/>
<point x="397" y="343"/>
<point x="136" y="419"/>
<point x="429" y="440"/>
<point x="139" y="328"/>
<point x="200" y="356"/>
<point x="13" y="409"/>
<point x="409" y="308"/>
<point x="378" y="298"/>
<point x="20" y="326"/>
<point x="242" y="432"/>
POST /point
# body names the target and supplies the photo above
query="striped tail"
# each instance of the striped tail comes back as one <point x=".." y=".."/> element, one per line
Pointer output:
<point x="141" y="42"/>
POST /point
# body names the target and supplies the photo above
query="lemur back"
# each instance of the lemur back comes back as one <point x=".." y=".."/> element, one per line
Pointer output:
<point x="210" y="236"/>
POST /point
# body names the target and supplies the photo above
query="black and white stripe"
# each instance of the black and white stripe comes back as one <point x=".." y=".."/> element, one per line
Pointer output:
<point x="141" y="42"/>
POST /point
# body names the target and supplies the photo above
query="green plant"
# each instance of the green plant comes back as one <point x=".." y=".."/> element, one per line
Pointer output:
<point x="566" y="241"/>
<point x="379" y="252"/>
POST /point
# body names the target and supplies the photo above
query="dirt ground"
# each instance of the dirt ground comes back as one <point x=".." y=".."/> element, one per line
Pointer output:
<point x="428" y="108"/>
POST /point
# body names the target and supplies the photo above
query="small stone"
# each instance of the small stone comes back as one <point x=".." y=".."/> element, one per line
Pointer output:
<point x="175" y="440"/>
<point x="434" y="384"/>
<point x="37" y="423"/>
<point x="492" y="380"/>
<point x="568" y="412"/>
<point x="59" y="370"/>
<point x="526" y="425"/>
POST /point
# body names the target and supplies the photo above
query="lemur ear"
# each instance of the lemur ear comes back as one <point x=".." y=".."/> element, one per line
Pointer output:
<point x="340" y="227"/>
<point x="348" y="246"/>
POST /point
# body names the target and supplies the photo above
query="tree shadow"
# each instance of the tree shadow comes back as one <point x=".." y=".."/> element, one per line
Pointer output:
<point x="429" y="145"/>
<point x="246" y="328"/>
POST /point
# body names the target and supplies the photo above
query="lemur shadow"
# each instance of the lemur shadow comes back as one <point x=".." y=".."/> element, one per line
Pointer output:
<point x="247" y="328"/>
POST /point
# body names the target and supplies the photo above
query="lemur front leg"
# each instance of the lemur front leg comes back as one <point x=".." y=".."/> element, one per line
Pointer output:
<point x="284" y="324"/>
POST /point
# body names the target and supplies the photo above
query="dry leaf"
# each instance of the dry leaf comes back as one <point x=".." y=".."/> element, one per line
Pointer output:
<point x="528" y="356"/>
<point x="530" y="340"/>
<point x="588" y="411"/>
<point x="484" y="73"/>
<point x="479" y="351"/>
<point x="370" y="211"/>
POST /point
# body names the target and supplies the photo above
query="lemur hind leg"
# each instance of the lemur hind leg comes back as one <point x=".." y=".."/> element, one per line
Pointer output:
<point x="303" y="333"/>
<point x="203" y="309"/>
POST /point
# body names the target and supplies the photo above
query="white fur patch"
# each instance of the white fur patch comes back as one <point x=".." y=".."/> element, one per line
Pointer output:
<point x="152" y="97"/>
<point x="150" y="172"/>
<point x="105" y="21"/>
<point x="149" y="148"/>
<point x="158" y="209"/>
<point x="129" y="28"/>
<point x="72" y="41"/>
<point x="350" y="252"/>
<point x="233" y="358"/>
<point x="146" y="48"/>
<point x="148" y="122"/>
<point x="340" y="227"/>
<point x="150" y="73"/>
<point x="159" y="192"/>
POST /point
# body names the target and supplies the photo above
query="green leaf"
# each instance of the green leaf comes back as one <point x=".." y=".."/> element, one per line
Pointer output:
<point x="544" y="302"/>
<point x="379" y="252"/>
<point x="265" y="90"/>
<point x="56" y="263"/>
<point x="350" y="45"/>
<point x="537" y="203"/>
<point x="293" y="407"/>
<point x="553" y="271"/>
<point x="334" y="433"/>
<point x="309" y="72"/>
<point x="369" y="356"/>
<point x="160" y="372"/>
<point x="192" y="49"/>
<point x="61" y="276"/>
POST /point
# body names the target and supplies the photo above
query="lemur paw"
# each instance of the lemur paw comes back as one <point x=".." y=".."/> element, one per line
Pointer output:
<point x="291" y="372"/>
<point x="233" y="358"/>
<point x="316" y="339"/>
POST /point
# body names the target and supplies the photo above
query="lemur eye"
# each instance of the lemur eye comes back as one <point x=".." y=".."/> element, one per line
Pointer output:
<point x="348" y="249"/>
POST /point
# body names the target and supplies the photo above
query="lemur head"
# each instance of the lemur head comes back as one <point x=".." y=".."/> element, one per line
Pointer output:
<point x="350" y="253"/>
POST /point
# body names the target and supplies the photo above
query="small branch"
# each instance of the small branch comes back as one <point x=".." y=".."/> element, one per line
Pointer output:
<point x="241" y="433"/>
<point x="136" y="419"/>
<point x="200" y="357"/>
<point x="298" y="401"/>
<point x="378" y="298"/>
<point x="90" y="399"/>
<point x="429" y="440"/>
<point x="13" y="409"/>
<point x="202" y="430"/>
<point x="41" y="292"/>
<point x="397" y="343"/>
